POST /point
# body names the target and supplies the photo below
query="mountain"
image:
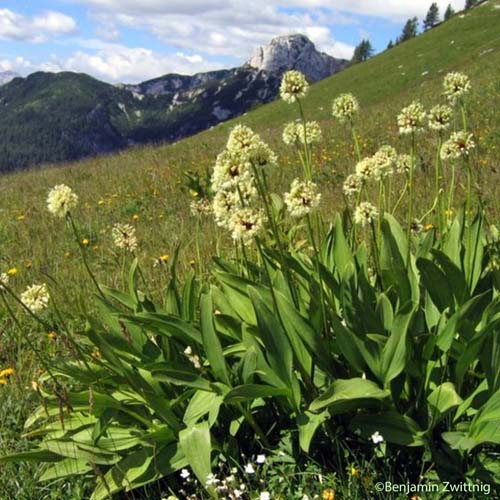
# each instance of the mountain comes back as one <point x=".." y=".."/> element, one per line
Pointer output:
<point x="7" y="76"/>
<point x="49" y="117"/>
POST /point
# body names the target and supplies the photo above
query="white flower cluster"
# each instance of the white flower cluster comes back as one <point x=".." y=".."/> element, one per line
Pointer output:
<point x="194" y="360"/>
<point x="295" y="132"/>
<point x="60" y="200"/>
<point x="440" y="117"/>
<point x="302" y="198"/>
<point x="403" y="163"/>
<point x="365" y="213"/>
<point x="4" y="280"/>
<point x="456" y="85"/>
<point x="293" y="86"/>
<point x="36" y="298"/>
<point x="411" y="119"/>
<point x="345" y="107"/>
<point x="234" y="184"/>
<point x="458" y="145"/>
<point x="124" y="237"/>
<point x="200" y="207"/>
<point x="352" y="184"/>
<point x="384" y="161"/>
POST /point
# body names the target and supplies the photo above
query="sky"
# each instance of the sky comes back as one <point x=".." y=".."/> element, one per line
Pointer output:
<point x="131" y="41"/>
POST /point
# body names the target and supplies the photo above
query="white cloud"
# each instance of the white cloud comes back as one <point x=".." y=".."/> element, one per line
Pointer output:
<point x="116" y="63"/>
<point x="36" y="29"/>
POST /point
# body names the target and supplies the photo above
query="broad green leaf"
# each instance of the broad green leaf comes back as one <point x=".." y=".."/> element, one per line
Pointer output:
<point x="250" y="392"/>
<point x="195" y="444"/>
<point x="308" y="424"/>
<point x="436" y="283"/>
<point x="441" y="400"/>
<point x="202" y="403"/>
<point x="346" y="395"/>
<point x="485" y="427"/>
<point x="65" y="468"/>
<point x="394" y="427"/>
<point x="211" y="342"/>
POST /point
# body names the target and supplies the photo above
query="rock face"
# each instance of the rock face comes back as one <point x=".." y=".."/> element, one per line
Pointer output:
<point x="295" y="52"/>
<point x="7" y="76"/>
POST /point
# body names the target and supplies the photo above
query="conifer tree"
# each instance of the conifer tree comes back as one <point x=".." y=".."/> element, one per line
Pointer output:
<point x="432" y="17"/>
<point x="449" y="12"/>
<point x="410" y="30"/>
<point x="362" y="52"/>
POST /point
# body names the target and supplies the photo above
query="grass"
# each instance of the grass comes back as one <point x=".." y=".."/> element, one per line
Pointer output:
<point x="146" y="187"/>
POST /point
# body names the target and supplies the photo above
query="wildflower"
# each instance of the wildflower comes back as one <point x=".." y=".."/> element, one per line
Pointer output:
<point x="345" y="107"/>
<point x="293" y="86"/>
<point x="245" y="224"/>
<point x="249" y="469"/>
<point x="411" y="119"/>
<point x="200" y="207"/>
<point x="229" y="169"/>
<point x="193" y="358"/>
<point x="262" y="155"/>
<point x="212" y="480"/>
<point x="265" y="495"/>
<point x="12" y="271"/>
<point x="291" y="133"/>
<point x="383" y="162"/>
<point x="416" y="226"/>
<point x="365" y="213"/>
<point x="328" y="494"/>
<point x="403" y="163"/>
<point x="185" y="473"/>
<point x="440" y="117"/>
<point x="36" y="298"/>
<point x="456" y="85"/>
<point x="260" y="459"/>
<point x="428" y="227"/>
<point x="85" y="242"/>
<point x="365" y="168"/>
<point x="4" y="280"/>
<point x="124" y="237"/>
<point x="52" y="335"/>
<point x="135" y="217"/>
<point x="302" y="198"/>
<point x="377" y="438"/>
<point x="242" y="140"/>
<point x="6" y="372"/>
<point x="352" y="185"/>
<point x="459" y="144"/>
<point x="61" y="199"/>
<point x="354" y="471"/>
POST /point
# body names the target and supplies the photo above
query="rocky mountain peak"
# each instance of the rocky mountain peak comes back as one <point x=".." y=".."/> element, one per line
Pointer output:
<point x="296" y="51"/>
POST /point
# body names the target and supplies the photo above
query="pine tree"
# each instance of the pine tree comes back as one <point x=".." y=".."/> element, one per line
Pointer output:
<point x="470" y="3"/>
<point x="432" y="17"/>
<point x="410" y="30"/>
<point x="449" y="12"/>
<point x="390" y="45"/>
<point x="362" y="52"/>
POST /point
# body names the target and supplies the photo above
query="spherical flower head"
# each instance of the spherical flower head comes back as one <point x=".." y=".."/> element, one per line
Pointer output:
<point x="293" y="86"/>
<point x="365" y="169"/>
<point x="263" y="156"/>
<point x="60" y="200"/>
<point x="411" y="119"/>
<point x="311" y="134"/>
<point x="383" y="162"/>
<point x="242" y="140"/>
<point x="291" y="133"/>
<point x="365" y="213"/>
<point x="245" y="224"/>
<point x="36" y="298"/>
<point x="201" y="207"/>
<point x="458" y="145"/>
<point x="440" y="117"/>
<point x="229" y="167"/>
<point x="456" y="85"/>
<point x="265" y="495"/>
<point x="403" y="164"/>
<point x="345" y="107"/>
<point x="352" y="185"/>
<point x="302" y="198"/>
<point x="124" y="237"/>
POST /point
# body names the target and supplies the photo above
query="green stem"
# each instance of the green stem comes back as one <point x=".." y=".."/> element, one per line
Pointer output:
<point x="437" y="183"/>
<point x="356" y="141"/>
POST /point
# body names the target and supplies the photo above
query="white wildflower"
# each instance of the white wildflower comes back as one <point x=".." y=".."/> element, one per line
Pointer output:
<point x="245" y="224"/>
<point x="440" y="117"/>
<point x="294" y="133"/>
<point x="345" y="107"/>
<point x="293" y="86"/>
<point x="262" y="155"/>
<point x="212" y="480"/>
<point x="249" y="469"/>
<point x="4" y="280"/>
<point x="261" y="459"/>
<point x="365" y="213"/>
<point x="195" y="360"/>
<point x="291" y="133"/>
<point x="411" y="119"/>
<point x="229" y="167"/>
<point x="365" y="168"/>
<point x="456" y="85"/>
<point x="185" y="474"/>
<point x="265" y="495"/>
<point x="352" y="184"/>
<point x="403" y="163"/>
<point x="124" y="237"/>
<point x="200" y="207"/>
<point x="377" y="438"/>
<point x="383" y="162"/>
<point x="302" y="198"/>
<point x="36" y="298"/>
<point x="61" y="199"/>
<point x="458" y="145"/>
<point x="242" y="140"/>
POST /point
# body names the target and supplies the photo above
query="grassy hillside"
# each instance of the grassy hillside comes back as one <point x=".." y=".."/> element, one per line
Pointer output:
<point x="146" y="186"/>
<point x="143" y="185"/>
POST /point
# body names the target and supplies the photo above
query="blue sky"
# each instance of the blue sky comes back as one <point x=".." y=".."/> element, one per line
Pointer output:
<point x="134" y="40"/>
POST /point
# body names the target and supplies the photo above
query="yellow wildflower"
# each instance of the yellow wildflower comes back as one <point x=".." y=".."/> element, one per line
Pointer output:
<point x="328" y="494"/>
<point x="3" y="381"/>
<point x="21" y="217"/>
<point x="52" y="335"/>
<point x="428" y="227"/>
<point x="7" y="372"/>
<point x="85" y="242"/>
<point x="12" y="271"/>
<point x="353" y="471"/>
<point x="135" y="217"/>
